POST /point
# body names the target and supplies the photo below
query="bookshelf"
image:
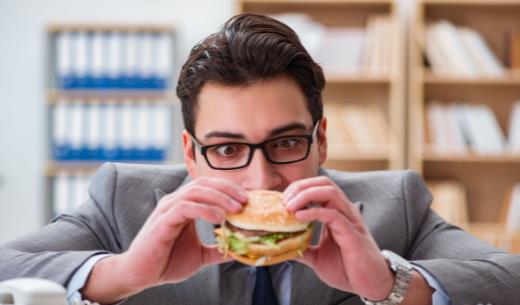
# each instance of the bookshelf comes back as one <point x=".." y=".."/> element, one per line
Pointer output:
<point x="377" y="85"/>
<point x="486" y="177"/>
<point x="109" y="97"/>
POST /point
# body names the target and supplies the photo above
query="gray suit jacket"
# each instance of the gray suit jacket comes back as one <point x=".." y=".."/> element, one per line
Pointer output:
<point x="395" y="207"/>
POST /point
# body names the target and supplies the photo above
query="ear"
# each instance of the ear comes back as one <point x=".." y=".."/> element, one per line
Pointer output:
<point x="322" y="140"/>
<point x="189" y="156"/>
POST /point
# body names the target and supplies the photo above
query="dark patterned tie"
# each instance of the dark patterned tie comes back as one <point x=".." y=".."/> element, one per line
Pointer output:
<point x="264" y="291"/>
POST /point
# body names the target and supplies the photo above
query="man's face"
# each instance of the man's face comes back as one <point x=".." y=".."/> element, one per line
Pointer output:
<point x="252" y="114"/>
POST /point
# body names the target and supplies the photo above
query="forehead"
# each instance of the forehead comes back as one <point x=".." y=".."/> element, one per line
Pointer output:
<point x="252" y="110"/>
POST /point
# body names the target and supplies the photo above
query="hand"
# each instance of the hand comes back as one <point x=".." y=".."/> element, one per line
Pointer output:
<point x="167" y="248"/>
<point x="347" y="257"/>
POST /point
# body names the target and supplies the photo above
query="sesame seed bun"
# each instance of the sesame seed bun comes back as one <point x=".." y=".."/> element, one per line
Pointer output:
<point x="266" y="211"/>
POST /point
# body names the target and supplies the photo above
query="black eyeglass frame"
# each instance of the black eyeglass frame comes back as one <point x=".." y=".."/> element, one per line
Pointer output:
<point x="253" y="146"/>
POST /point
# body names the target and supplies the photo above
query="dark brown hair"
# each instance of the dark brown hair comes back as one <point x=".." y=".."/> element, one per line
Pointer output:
<point x="249" y="48"/>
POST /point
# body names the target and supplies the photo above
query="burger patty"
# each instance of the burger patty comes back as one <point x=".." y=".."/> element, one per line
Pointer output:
<point x="250" y="233"/>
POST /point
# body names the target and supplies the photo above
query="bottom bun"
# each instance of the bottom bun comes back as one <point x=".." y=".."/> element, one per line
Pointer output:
<point x="289" y="249"/>
<point x="267" y="261"/>
<point x="290" y="244"/>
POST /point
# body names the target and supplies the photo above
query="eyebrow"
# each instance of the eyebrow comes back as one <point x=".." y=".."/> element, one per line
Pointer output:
<point x="274" y="132"/>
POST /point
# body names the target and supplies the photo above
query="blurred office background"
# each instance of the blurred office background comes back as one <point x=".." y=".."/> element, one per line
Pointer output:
<point x="430" y="85"/>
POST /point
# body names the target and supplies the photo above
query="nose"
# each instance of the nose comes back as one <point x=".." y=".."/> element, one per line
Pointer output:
<point x="261" y="174"/>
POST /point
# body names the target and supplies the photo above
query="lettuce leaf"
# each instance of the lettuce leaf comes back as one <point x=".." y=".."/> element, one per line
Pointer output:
<point x="239" y="243"/>
<point x="272" y="239"/>
<point x="239" y="246"/>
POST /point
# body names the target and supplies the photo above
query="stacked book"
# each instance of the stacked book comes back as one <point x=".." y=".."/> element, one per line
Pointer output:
<point x="511" y="209"/>
<point x="514" y="129"/>
<point x="449" y="201"/>
<point x="129" y="131"/>
<point x="348" y="50"/>
<point x="112" y="59"/>
<point x="70" y="190"/>
<point x="457" y="51"/>
<point x="355" y="128"/>
<point x="458" y="128"/>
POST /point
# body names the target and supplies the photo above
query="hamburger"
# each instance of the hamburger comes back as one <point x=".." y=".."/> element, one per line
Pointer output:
<point x="264" y="233"/>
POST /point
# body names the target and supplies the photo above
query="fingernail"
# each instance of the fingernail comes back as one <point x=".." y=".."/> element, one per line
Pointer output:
<point x="287" y="198"/>
<point x="236" y="205"/>
<point x="298" y="214"/>
<point x="219" y="217"/>
<point x="243" y="195"/>
<point x="291" y="203"/>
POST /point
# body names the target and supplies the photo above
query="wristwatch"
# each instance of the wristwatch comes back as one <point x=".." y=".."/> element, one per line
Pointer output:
<point x="403" y="276"/>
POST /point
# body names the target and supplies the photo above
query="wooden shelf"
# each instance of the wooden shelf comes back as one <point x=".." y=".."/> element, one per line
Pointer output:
<point x="116" y="96"/>
<point x="485" y="178"/>
<point x="510" y="79"/>
<point x="360" y="156"/>
<point x="53" y="168"/>
<point x="472" y="158"/>
<point x="81" y="168"/>
<point x="470" y="2"/>
<point x="319" y="2"/>
<point x="357" y="79"/>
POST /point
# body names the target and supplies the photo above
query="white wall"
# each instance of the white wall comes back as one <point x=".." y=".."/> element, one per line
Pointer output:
<point x="22" y="83"/>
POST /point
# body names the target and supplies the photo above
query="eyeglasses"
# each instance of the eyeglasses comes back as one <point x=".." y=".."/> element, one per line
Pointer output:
<point x="235" y="155"/>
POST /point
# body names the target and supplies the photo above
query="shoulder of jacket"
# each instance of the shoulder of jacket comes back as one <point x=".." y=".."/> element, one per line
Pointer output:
<point x="388" y="176"/>
<point x="168" y="176"/>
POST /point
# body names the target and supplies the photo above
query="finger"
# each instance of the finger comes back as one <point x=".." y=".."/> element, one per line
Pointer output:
<point x="300" y="185"/>
<point x="169" y="225"/>
<point x="212" y="256"/>
<point x="334" y="220"/>
<point x="226" y="186"/>
<point x="308" y="257"/>
<point x="206" y="195"/>
<point x="310" y="254"/>
<point x="186" y="211"/>
<point x="327" y="196"/>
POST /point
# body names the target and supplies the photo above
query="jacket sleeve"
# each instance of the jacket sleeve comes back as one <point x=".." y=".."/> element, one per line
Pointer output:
<point x="56" y="251"/>
<point x="471" y="271"/>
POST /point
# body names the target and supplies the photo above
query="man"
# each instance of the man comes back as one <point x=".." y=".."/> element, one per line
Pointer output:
<point x="251" y="102"/>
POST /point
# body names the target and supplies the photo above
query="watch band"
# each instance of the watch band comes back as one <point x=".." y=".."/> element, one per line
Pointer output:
<point x="403" y="276"/>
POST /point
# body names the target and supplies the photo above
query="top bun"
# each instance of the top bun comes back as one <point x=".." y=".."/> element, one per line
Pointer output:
<point x="266" y="211"/>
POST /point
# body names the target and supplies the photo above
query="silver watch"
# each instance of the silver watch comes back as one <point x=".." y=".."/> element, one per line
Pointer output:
<point x="403" y="276"/>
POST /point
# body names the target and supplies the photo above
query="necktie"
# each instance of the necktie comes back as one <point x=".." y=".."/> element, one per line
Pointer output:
<point x="263" y="294"/>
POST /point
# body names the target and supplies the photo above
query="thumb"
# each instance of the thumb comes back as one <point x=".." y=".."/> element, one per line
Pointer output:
<point x="309" y="256"/>
<point x="211" y="256"/>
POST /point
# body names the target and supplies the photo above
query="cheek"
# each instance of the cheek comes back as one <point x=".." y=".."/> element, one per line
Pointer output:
<point x="231" y="175"/>
<point x="235" y="176"/>
<point x="287" y="173"/>
<point x="297" y="171"/>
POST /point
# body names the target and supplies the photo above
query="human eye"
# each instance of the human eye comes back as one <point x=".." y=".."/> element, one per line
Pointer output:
<point x="286" y="143"/>
<point x="226" y="150"/>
